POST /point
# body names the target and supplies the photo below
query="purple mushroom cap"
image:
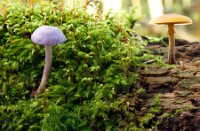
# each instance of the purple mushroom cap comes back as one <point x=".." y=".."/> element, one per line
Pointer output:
<point x="48" y="35"/>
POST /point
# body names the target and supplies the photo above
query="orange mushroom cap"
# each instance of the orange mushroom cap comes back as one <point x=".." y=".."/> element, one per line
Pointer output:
<point x="172" y="19"/>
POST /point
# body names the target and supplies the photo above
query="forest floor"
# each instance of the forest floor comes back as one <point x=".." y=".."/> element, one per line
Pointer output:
<point x="178" y="86"/>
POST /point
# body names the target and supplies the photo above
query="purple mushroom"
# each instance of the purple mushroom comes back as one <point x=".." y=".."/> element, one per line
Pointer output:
<point x="47" y="36"/>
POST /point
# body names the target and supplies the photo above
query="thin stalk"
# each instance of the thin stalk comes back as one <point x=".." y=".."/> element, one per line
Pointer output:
<point x="4" y="11"/>
<point x="46" y="71"/>
<point x="31" y="4"/>
<point x="86" y="3"/>
<point x="63" y="4"/>
<point x="62" y="11"/>
<point x="171" y="49"/>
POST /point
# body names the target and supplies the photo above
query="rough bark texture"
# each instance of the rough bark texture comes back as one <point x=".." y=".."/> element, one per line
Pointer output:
<point x="179" y="87"/>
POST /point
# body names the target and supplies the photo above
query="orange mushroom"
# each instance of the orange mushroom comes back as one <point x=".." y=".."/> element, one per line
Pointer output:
<point x="171" y="20"/>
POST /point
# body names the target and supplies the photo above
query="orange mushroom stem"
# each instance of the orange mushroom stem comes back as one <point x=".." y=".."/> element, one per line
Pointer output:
<point x="171" y="20"/>
<point x="171" y="49"/>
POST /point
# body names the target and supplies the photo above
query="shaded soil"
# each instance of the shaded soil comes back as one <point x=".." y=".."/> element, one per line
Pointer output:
<point x="178" y="86"/>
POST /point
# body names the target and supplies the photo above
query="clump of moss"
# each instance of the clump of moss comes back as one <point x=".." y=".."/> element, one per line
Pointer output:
<point x="92" y="70"/>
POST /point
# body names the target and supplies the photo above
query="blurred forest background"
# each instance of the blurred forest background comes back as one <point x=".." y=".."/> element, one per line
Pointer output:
<point x="146" y="10"/>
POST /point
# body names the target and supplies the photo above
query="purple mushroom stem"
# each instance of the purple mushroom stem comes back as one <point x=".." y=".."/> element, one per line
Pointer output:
<point x="46" y="71"/>
<point x="47" y="36"/>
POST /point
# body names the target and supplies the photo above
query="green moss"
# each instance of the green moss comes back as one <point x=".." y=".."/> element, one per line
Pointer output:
<point x="90" y="72"/>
